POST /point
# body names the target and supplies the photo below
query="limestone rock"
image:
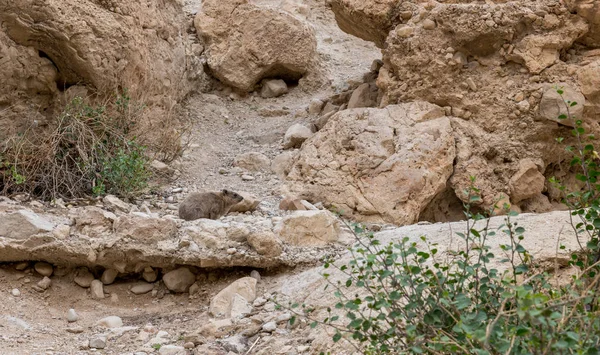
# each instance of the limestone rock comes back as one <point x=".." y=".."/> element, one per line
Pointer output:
<point x="72" y="316"/>
<point x="537" y="204"/>
<point x="61" y="231"/>
<point x="43" y="268"/>
<point x="179" y="280"/>
<point x="269" y="327"/>
<point x="150" y="275"/>
<point x="273" y="88"/>
<point x="23" y="224"/>
<point x="97" y="289"/>
<point x="98" y="342"/>
<point x="528" y="182"/>
<point x="553" y="105"/>
<point x="141" y="288"/>
<point x="539" y="51"/>
<point x="241" y="50"/>
<point x="252" y="161"/>
<point x="83" y="277"/>
<point x="221" y="304"/>
<point x="133" y="45"/>
<point x="377" y="164"/>
<point x="590" y="11"/>
<point x="92" y="221"/>
<point x="265" y="243"/>
<point x="110" y="322"/>
<point x="296" y="135"/>
<point x="240" y="307"/>
<point x="44" y="283"/>
<point x="315" y="106"/>
<point x="292" y="204"/>
<point x="238" y="233"/>
<point x="362" y="96"/>
<point x="309" y="228"/>
<point x="282" y="163"/>
<point x="114" y="203"/>
<point x="109" y="276"/>
<point x="588" y="78"/>
<point x="369" y="20"/>
<point x="139" y="226"/>
<point x="103" y="48"/>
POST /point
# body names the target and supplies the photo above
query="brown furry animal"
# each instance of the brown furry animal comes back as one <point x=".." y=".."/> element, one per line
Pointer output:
<point x="212" y="205"/>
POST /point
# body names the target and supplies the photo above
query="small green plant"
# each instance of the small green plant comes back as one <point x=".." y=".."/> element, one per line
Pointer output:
<point x="88" y="150"/>
<point x="156" y="346"/>
<point x="125" y="171"/>
<point x="409" y="297"/>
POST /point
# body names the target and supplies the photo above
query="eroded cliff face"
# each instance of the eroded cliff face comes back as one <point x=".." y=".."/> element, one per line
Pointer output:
<point x="49" y="47"/>
<point x="492" y="66"/>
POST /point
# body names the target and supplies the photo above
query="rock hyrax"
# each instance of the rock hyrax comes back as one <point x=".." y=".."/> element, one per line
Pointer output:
<point x="210" y="205"/>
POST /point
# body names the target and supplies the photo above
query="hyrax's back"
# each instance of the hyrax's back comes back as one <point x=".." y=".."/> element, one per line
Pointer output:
<point x="210" y="205"/>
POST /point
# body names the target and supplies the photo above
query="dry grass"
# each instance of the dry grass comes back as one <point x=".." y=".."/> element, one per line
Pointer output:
<point x="95" y="145"/>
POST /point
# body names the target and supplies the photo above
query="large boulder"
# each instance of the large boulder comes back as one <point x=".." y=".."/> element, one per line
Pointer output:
<point x="377" y="164"/>
<point x="54" y="50"/>
<point x="491" y="65"/>
<point x="246" y="43"/>
<point x="104" y="44"/>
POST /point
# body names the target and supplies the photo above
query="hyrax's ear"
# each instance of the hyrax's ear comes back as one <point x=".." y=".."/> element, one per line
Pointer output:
<point x="225" y="191"/>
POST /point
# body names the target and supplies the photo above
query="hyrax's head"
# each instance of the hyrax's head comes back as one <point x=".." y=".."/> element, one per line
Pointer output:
<point x="232" y="196"/>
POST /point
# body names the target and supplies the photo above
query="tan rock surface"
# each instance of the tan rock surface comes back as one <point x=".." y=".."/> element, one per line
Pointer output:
<point x="309" y="228"/>
<point x="221" y="304"/>
<point x="377" y="164"/>
<point x="245" y="43"/>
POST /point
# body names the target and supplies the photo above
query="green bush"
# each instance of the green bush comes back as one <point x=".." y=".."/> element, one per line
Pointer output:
<point x="405" y="298"/>
<point x="88" y="149"/>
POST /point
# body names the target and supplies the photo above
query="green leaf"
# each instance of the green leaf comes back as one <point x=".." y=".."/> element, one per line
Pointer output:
<point x="337" y="337"/>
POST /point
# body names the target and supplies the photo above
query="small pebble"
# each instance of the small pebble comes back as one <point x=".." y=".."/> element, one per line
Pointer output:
<point x="428" y="24"/>
<point x="72" y="316"/>
<point x="141" y="288"/>
<point x="15" y="292"/>
<point x="98" y="342"/>
<point x="231" y="251"/>
<point x="189" y="345"/>
<point x="247" y="177"/>
<point x="269" y="327"/>
<point x="22" y="266"/>
<point x="255" y="274"/>
<point x="44" y="283"/>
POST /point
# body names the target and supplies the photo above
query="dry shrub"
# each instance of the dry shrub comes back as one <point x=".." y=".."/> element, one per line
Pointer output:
<point x="95" y="145"/>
